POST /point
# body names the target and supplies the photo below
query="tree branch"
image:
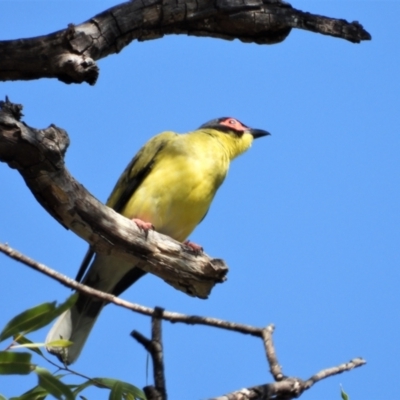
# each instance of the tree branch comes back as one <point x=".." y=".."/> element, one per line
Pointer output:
<point x="283" y="389"/>
<point x="38" y="155"/>
<point x="289" y="387"/>
<point x="167" y="315"/>
<point x="274" y="366"/>
<point x="155" y="349"/>
<point x="69" y="55"/>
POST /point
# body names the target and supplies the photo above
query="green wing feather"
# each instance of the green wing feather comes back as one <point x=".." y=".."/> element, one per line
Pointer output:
<point x="137" y="170"/>
<point x="130" y="180"/>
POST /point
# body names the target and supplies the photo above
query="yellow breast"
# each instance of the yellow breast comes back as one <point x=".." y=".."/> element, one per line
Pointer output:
<point x="177" y="193"/>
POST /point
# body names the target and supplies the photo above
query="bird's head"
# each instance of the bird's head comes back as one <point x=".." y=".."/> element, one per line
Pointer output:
<point x="236" y="136"/>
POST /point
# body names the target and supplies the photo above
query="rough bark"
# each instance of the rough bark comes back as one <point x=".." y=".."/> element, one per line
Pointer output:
<point x="38" y="155"/>
<point x="69" y="55"/>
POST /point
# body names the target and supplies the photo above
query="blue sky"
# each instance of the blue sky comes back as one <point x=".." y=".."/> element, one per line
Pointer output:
<point x="308" y="220"/>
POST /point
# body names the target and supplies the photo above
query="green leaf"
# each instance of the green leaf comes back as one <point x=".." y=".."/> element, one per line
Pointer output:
<point x="15" y="363"/>
<point x="27" y="346"/>
<point x="23" y="341"/>
<point x="35" y="318"/>
<point x="59" y="343"/>
<point x="127" y="388"/>
<point x="31" y="346"/>
<point x="116" y="392"/>
<point x="128" y="391"/>
<point x="82" y="386"/>
<point x="133" y="390"/>
<point x="66" y="305"/>
<point x="29" y="320"/>
<point x="53" y="385"/>
<point x="36" y="393"/>
<point x="2" y="397"/>
<point x="343" y="394"/>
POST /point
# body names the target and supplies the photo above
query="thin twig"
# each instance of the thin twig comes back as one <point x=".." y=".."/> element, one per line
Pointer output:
<point x="146" y="343"/>
<point x="284" y="388"/>
<point x="326" y="373"/>
<point x="274" y="366"/>
<point x="167" y="315"/>
<point x="288" y="388"/>
<point x="73" y="372"/>
<point x="155" y="348"/>
<point x="157" y="352"/>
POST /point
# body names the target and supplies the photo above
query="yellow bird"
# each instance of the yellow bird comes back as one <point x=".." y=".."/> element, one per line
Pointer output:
<point x="168" y="185"/>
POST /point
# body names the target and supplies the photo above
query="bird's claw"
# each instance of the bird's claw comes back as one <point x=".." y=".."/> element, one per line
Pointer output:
<point x="193" y="246"/>
<point x="145" y="226"/>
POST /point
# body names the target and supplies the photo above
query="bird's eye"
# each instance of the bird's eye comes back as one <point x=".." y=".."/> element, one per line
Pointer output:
<point x="232" y="121"/>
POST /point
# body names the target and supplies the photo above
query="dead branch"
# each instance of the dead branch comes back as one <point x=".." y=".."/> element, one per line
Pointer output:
<point x="70" y="54"/>
<point x="274" y="367"/>
<point x="326" y="373"/>
<point x="155" y="349"/>
<point x="283" y="388"/>
<point x="38" y="155"/>
<point x="167" y="315"/>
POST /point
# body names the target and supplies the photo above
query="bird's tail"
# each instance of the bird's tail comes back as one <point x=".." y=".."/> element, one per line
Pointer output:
<point x="107" y="274"/>
<point x="75" y="325"/>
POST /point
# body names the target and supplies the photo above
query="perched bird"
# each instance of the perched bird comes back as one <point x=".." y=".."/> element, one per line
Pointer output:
<point x="169" y="185"/>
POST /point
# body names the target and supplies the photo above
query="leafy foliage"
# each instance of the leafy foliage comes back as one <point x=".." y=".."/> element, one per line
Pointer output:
<point x="35" y="318"/>
<point x="20" y="363"/>
<point x="343" y="394"/>
<point x="15" y="363"/>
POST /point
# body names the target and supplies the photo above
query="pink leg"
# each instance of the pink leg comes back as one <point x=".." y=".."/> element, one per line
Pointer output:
<point x="195" y="247"/>
<point x="146" y="226"/>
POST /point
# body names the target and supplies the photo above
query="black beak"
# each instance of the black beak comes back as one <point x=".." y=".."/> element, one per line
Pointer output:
<point x="257" y="133"/>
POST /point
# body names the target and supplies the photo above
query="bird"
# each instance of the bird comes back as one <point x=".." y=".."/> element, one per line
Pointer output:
<point x="168" y="186"/>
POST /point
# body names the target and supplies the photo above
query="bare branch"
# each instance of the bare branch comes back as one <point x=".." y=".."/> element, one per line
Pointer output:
<point x="38" y="155"/>
<point x="69" y="55"/>
<point x="155" y="349"/>
<point x="157" y="353"/>
<point x="274" y="366"/>
<point x="326" y="373"/>
<point x="288" y="388"/>
<point x="285" y="388"/>
<point x="167" y="315"/>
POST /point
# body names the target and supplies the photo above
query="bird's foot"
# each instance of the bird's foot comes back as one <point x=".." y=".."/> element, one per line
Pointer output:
<point x="145" y="226"/>
<point x="193" y="246"/>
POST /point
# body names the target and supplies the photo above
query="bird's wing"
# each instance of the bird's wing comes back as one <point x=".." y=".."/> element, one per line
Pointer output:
<point x="130" y="180"/>
<point x="85" y="262"/>
<point x="137" y="170"/>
